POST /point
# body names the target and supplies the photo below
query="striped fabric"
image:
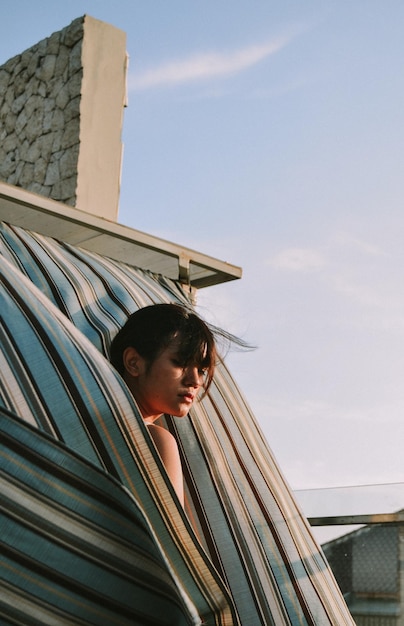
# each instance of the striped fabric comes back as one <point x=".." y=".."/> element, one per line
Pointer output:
<point x="243" y="553"/>
<point x="75" y="547"/>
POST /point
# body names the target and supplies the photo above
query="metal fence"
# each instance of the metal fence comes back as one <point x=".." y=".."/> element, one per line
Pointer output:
<point x="361" y="530"/>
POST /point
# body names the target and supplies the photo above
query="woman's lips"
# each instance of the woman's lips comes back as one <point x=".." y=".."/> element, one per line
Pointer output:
<point x="188" y="397"/>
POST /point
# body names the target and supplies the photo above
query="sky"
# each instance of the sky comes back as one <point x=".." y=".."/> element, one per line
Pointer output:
<point x="270" y="134"/>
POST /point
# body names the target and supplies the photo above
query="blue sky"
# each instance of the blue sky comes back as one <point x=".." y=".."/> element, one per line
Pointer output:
<point x="271" y="135"/>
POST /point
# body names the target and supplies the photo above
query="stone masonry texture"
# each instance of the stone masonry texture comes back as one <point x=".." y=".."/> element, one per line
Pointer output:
<point x="40" y="115"/>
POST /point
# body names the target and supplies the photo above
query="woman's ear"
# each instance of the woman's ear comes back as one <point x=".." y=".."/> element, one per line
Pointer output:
<point x="132" y="361"/>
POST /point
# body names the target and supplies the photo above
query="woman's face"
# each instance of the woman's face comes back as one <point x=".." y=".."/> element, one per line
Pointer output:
<point x="165" y="386"/>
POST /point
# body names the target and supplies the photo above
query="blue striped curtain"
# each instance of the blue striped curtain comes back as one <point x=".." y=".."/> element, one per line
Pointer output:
<point x="76" y="547"/>
<point x="241" y="553"/>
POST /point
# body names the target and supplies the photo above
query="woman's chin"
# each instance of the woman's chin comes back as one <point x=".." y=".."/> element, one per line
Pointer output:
<point x="181" y="412"/>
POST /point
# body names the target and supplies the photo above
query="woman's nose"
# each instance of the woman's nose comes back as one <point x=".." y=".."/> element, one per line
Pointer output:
<point x="193" y="376"/>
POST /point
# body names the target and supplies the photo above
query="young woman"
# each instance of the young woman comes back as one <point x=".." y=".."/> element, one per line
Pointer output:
<point x="167" y="356"/>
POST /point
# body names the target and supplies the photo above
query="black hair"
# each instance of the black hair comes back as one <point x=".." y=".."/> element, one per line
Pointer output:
<point x="150" y="330"/>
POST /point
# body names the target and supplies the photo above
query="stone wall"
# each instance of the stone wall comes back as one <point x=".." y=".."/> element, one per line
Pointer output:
<point x="40" y="115"/>
<point x="61" y="116"/>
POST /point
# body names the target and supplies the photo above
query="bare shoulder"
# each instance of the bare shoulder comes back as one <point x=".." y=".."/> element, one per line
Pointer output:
<point x="163" y="439"/>
<point x="168" y="450"/>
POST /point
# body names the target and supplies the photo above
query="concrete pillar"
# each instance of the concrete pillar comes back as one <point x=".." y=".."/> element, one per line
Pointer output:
<point x="103" y="98"/>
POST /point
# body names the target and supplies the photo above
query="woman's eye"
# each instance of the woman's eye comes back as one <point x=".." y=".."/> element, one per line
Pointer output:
<point x="176" y="363"/>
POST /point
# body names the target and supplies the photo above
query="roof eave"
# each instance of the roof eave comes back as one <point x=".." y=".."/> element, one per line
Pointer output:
<point x="31" y="211"/>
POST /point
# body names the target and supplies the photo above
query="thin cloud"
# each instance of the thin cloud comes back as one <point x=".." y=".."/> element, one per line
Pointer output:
<point x="205" y="66"/>
<point x="298" y="260"/>
<point x="371" y="249"/>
